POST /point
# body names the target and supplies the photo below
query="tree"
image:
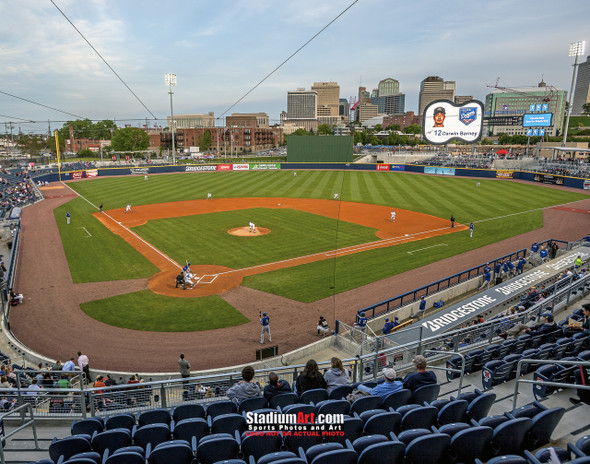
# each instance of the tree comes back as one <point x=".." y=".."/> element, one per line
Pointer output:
<point x="378" y="128"/>
<point x="130" y="139"/>
<point x="393" y="127"/>
<point x="586" y="108"/>
<point x="205" y="141"/>
<point x="31" y="144"/>
<point x="486" y="141"/>
<point x="324" y="129"/>
<point x="412" y="129"/>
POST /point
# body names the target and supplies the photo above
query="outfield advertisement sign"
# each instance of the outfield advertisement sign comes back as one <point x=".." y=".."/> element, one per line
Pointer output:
<point x="398" y="167"/>
<point x="548" y="179"/>
<point x="444" y="121"/>
<point x="265" y="166"/>
<point x="224" y="167"/>
<point x="441" y="171"/>
<point x="504" y="174"/>
<point x="207" y="167"/>
<point x="241" y="167"/>
<point x="382" y="167"/>
<point x="77" y="174"/>
<point x="457" y="314"/>
<point x="92" y="173"/>
<point x="140" y="171"/>
<point x="587" y="184"/>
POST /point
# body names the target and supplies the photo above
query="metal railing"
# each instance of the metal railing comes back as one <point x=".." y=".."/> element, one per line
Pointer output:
<point x="22" y="411"/>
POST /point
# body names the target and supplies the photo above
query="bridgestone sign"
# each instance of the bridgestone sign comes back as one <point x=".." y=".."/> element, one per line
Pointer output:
<point x="201" y="168"/>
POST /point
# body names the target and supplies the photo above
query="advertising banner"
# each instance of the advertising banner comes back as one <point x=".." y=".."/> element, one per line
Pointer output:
<point x="265" y="166"/>
<point x="441" y="171"/>
<point x="504" y="174"/>
<point x="207" y="167"/>
<point x="444" y="121"/>
<point x="382" y="167"/>
<point x="224" y="167"/>
<point x="241" y="167"/>
<point x="397" y="167"/>
<point x="548" y="179"/>
<point x="77" y="174"/>
<point x="140" y="171"/>
<point x="587" y="184"/>
<point x="92" y="173"/>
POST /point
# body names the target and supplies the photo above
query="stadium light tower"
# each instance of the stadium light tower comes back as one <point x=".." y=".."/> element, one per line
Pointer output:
<point x="576" y="49"/>
<point x="170" y="80"/>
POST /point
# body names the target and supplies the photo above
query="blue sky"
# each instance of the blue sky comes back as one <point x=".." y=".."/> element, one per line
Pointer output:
<point x="220" y="49"/>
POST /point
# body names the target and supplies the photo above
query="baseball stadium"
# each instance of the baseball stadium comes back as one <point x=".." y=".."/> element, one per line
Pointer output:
<point x="97" y="259"/>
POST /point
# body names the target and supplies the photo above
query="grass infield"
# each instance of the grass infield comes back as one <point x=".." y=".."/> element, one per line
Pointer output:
<point x="106" y="257"/>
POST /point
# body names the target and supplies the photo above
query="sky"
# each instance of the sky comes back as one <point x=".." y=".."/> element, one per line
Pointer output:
<point x="220" y="49"/>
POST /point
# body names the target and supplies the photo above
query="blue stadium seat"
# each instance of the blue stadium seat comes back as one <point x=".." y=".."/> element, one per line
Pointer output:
<point x="419" y="418"/>
<point x="311" y="453"/>
<point x="333" y="407"/>
<point x="221" y="407"/>
<point x="177" y="452"/>
<point x="396" y="399"/>
<point x="111" y="440"/>
<point x="283" y="399"/>
<point x="260" y="444"/>
<point x="508" y="459"/>
<point x="390" y="452"/>
<point x="87" y="426"/>
<point x="279" y="456"/>
<point x="452" y="429"/>
<point x="341" y="391"/>
<point x="217" y="447"/>
<point x="87" y="457"/>
<point x="299" y="408"/>
<point x="452" y="412"/>
<point x="352" y="428"/>
<point x="508" y="438"/>
<point x="428" y="449"/>
<point x="480" y="406"/>
<point x="294" y="441"/>
<point x="154" y="416"/>
<point x="120" y="421"/>
<point x="361" y="443"/>
<point x="408" y="436"/>
<point x="151" y="435"/>
<point x="425" y="394"/>
<point x="191" y="430"/>
<point x="365" y="403"/>
<point x="127" y="457"/>
<point x="228" y="423"/>
<point x="469" y="444"/>
<point x="314" y="396"/>
<point x="383" y="423"/>
<point x="581" y="448"/>
<point x="188" y="411"/>
<point x="252" y="404"/>
<point x="343" y="456"/>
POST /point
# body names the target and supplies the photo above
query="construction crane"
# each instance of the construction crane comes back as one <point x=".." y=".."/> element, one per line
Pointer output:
<point x="550" y="90"/>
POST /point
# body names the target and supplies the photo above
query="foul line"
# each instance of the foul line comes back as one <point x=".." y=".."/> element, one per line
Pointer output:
<point x="427" y="248"/>
<point x="127" y="229"/>
<point x="89" y="234"/>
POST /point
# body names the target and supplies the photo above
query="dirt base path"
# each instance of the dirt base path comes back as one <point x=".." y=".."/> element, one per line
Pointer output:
<point x="51" y="322"/>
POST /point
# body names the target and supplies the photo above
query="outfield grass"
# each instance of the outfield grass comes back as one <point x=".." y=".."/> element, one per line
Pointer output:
<point x="435" y="195"/>
<point x="149" y="311"/>
<point x="93" y="252"/>
<point x="203" y="238"/>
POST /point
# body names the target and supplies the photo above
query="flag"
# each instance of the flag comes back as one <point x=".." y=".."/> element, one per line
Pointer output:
<point x="505" y="107"/>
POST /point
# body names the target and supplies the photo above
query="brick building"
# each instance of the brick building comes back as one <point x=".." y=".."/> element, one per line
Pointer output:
<point x="404" y="120"/>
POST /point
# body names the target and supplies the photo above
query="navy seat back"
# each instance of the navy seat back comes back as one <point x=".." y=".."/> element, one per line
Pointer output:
<point x="176" y="452"/>
<point x="429" y="449"/>
<point x="365" y="403"/>
<point x="154" y="416"/>
<point x="128" y="457"/>
<point x="68" y="447"/>
<point x="260" y="444"/>
<point x="228" y="423"/>
<point x="293" y="441"/>
<point x="282" y="400"/>
<point x="470" y="443"/>
<point x="361" y="443"/>
<point x="508" y="438"/>
<point x="151" y="434"/>
<point x="220" y="407"/>
<point x="343" y="456"/>
<point x="280" y="456"/>
<point x="314" y="451"/>
<point x="396" y="399"/>
<point x="408" y="436"/>
<point x="188" y="411"/>
<point x="252" y="404"/>
<point x="217" y="448"/>
<point x="425" y="394"/>
<point x="87" y="426"/>
<point x="341" y="391"/>
<point x="419" y="418"/>
<point x="120" y="421"/>
<point x="542" y="427"/>
<point x="299" y="408"/>
<point x="352" y="428"/>
<point x="480" y="406"/>
<point x="191" y="428"/>
<point x="452" y="412"/>
<point x="388" y="452"/>
<point x="111" y="440"/>
<point x="454" y="428"/>
<point x="383" y="423"/>
<point x="333" y="407"/>
<point x="314" y="396"/>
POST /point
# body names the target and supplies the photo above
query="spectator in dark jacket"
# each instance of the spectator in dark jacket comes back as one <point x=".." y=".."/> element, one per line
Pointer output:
<point x="547" y="326"/>
<point x="275" y="386"/>
<point x="310" y="378"/>
<point x="421" y="377"/>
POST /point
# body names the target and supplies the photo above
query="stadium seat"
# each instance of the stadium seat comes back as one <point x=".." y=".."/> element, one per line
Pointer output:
<point x="294" y="441"/>
<point x="508" y="438"/>
<point x="87" y="426"/>
<point x="311" y="453"/>
<point x="87" y="457"/>
<point x="342" y="391"/>
<point x="67" y="447"/>
<point x="127" y="457"/>
<point x="333" y="407"/>
<point x="419" y="418"/>
<point x="278" y="456"/>
<point x="469" y="444"/>
<point x="191" y="430"/>
<point x="260" y="444"/>
<point x="452" y="412"/>
<point x="252" y="404"/>
<point x="111" y="440"/>
<point x="221" y="407"/>
<point x="188" y="411"/>
<point x="544" y="455"/>
<point x="508" y="459"/>
<point x="217" y="447"/>
<point x="299" y="408"/>
<point x="389" y="452"/>
<point x="396" y="399"/>
<point x="495" y="372"/>
<point x="151" y="435"/>
<point x="425" y="394"/>
<point x="177" y="452"/>
<point x="452" y="429"/>
<point x="228" y="423"/>
<point x="408" y="436"/>
<point x="283" y="399"/>
<point x="361" y="443"/>
<point x="456" y="362"/>
<point x="154" y="416"/>
<point x="365" y="403"/>
<point x="479" y="407"/>
<point x="383" y="423"/>
<point x="581" y="448"/>
<point x="352" y="428"/>
<point x="542" y="427"/>
<point x="428" y="449"/>
<point x="343" y="456"/>
<point x="314" y="396"/>
<point x="120" y="421"/>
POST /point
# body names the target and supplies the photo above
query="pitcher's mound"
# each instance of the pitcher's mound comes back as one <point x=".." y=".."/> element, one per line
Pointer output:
<point x="245" y="231"/>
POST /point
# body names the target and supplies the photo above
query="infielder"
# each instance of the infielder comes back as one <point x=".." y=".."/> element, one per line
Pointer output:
<point x="209" y="196"/>
<point x="265" y="323"/>
<point x="392" y="219"/>
<point x="252" y="227"/>
<point x="471" y="227"/>
<point x="336" y="196"/>
<point x="128" y="209"/>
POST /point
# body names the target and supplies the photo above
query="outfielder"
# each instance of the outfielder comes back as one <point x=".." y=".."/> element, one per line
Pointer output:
<point x="209" y="196"/>
<point x="67" y="217"/>
<point x="336" y="196"/>
<point x="471" y="227"/>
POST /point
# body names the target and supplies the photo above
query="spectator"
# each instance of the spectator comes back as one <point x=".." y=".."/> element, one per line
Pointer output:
<point x="383" y="389"/>
<point x="574" y="327"/>
<point x="519" y="328"/>
<point x="33" y="389"/>
<point x="99" y="384"/>
<point x="310" y="378"/>
<point x="336" y="376"/>
<point x="421" y="377"/>
<point x="109" y="381"/>
<point x="132" y="380"/>
<point x="4" y="383"/>
<point x="58" y="366"/>
<point x="548" y="325"/>
<point x="275" y="386"/>
<point x="578" y="262"/>
<point x="323" y="328"/>
<point x="244" y="388"/>
<point x="63" y="382"/>
<point x="69" y="366"/>
<point x="83" y="364"/>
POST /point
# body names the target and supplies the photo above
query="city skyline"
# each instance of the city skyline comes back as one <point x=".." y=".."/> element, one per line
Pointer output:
<point x="220" y="50"/>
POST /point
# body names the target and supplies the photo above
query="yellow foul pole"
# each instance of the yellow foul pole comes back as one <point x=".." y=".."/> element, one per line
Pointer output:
<point x="57" y="149"/>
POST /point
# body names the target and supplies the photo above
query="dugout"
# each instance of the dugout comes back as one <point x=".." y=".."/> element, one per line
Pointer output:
<point x="319" y="148"/>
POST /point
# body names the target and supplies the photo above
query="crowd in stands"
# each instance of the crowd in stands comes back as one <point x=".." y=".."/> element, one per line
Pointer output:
<point x="15" y="191"/>
<point x="480" y="161"/>
<point x="564" y="167"/>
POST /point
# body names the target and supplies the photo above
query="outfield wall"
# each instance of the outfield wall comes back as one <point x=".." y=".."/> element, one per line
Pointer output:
<point x="535" y="177"/>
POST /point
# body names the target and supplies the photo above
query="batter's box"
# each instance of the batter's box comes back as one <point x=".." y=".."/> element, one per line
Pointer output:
<point x="207" y="279"/>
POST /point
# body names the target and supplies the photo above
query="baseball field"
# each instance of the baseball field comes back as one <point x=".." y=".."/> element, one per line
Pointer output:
<point x="314" y="247"/>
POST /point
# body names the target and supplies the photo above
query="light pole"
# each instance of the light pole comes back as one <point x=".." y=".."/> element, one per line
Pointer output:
<point x="170" y="80"/>
<point x="576" y="49"/>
